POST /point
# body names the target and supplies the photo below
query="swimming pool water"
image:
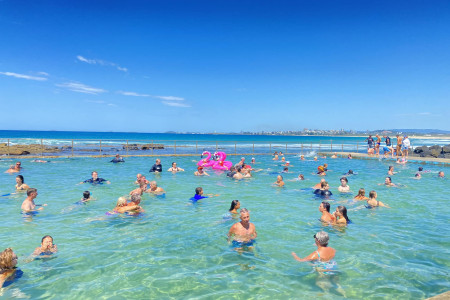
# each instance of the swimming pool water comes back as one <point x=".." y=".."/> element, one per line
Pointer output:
<point x="179" y="250"/>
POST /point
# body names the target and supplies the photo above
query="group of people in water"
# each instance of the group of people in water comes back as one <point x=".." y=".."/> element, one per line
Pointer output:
<point x="241" y="235"/>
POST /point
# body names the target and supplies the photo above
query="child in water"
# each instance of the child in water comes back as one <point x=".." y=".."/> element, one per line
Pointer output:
<point x="47" y="247"/>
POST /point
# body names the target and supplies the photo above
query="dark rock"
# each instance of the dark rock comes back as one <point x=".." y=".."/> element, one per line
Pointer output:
<point x="425" y="153"/>
<point x="435" y="152"/>
<point x="420" y="149"/>
<point x="436" y="147"/>
<point x="446" y="149"/>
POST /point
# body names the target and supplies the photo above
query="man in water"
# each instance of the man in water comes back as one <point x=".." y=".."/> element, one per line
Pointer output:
<point x="199" y="194"/>
<point x="117" y="159"/>
<point x="155" y="189"/>
<point x="28" y="204"/>
<point x="388" y="182"/>
<point x="95" y="179"/>
<point x="15" y="168"/>
<point x="157" y="167"/>
<point x="238" y="174"/>
<point x="244" y="232"/>
<point x="200" y="172"/>
<point x="326" y="217"/>
<point x="441" y="174"/>
<point x="241" y="163"/>
<point x="232" y="172"/>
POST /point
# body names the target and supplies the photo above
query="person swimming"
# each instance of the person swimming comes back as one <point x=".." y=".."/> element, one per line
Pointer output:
<point x="324" y="255"/>
<point x="8" y="269"/>
<point x="235" y="205"/>
<point x="86" y="196"/>
<point x="372" y="202"/>
<point x="324" y="190"/>
<point x="243" y="233"/>
<point x="361" y="195"/>
<point x="47" y="247"/>
<point x="279" y="181"/>
<point x="20" y="183"/>
<point x="344" y="188"/>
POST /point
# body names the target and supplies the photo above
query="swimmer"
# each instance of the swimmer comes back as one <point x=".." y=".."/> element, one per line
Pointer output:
<point x="324" y="189"/>
<point x="136" y="201"/>
<point x="388" y="182"/>
<point x="174" y="168"/>
<point x="281" y="153"/>
<point x="95" y="179"/>
<point x="243" y="232"/>
<point x="361" y="195"/>
<point x="349" y="156"/>
<point x="391" y="171"/>
<point x="8" y="262"/>
<point x="285" y="170"/>
<point x="334" y="155"/>
<point x="283" y="159"/>
<point x="321" y="171"/>
<point x="86" y="196"/>
<point x="350" y="172"/>
<point x="246" y="173"/>
<point x="279" y="181"/>
<point x="20" y="183"/>
<point x="122" y="207"/>
<point x="241" y="162"/>
<point x="325" y="167"/>
<point x="417" y="176"/>
<point x="117" y="159"/>
<point x="47" y="247"/>
<point x="326" y="217"/>
<point x="341" y="216"/>
<point x="324" y="255"/>
<point x="402" y="161"/>
<point x="232" y="171"/>
<point x="301" y="177"/>
<point x="140" y="190"/>
<point x="253" y="161"/>
<point x="40" y="161"/>
<point x="28" y="204"/>
<point x="275" y="153"/>
<point x="157" y="167"/>
<point x="235" y="205"/>
<point x="15" y="168"/>
<point x="344" y="188"/>
<point x="315" y="158"/>
<point x="319" y="185"/>
<point x="373" y="202"/>
<point x="287" y="164"/>
<point x="275" y="157"/>
<point x="199" y="194"/>
<point x="441" y="174"/>
<point x="302" y="157"/>
<point x="155" y="189"/>
<point x="238" y="174"/>
<point x="200" y="172"/>
<point x="140" y="178"/>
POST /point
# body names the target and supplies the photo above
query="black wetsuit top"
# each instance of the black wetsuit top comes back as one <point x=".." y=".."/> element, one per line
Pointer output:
<point x="117" y="160"/>
<point x="96" y="181"/>
<point x="156" y="168"/>
<point x="320" y="192"/>
<point x="231" y="174"/>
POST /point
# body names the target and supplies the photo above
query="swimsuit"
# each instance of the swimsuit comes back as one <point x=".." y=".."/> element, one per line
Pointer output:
<point x="96" y="181"/>
<point x="237" y="244"/>
<point x="330" y="267"/>
<point x="197" y="197"/>
<point x="156" y="168"/>
<point x="370" y="206"/>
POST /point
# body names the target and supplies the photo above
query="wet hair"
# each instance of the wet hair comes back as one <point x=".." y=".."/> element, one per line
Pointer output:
<point x="173" y="163"/>
<point x="280" y="176"/>
<point x="420" y="169"/>
<point x="372" y="194"/>
<point x="323" y="184"/>
<point x="417" y="175"/>
<point x="343" y="210"/>
<point x="301" y="176"/>
<point x="391" y="167"/>
<point x="30" y="191"/>
<point x="121" y="201"/>
<point x="136" y="198"/>
<point x="238" y="169"/>
<point x="361" y="192"/>
<point x="21" y="178"/>
<point x="244" y="210"/>
<point x="326" y="205"/>
<point x="46" y="236"/>
<point x="350" y="172"/>
<point x="233" y="168"/>
<point x="198" y="190"/>
<point x="94" y="172"/>
<point x="322" y="237"/>
<point x="6" y="260"/>
<point x="390" y="180"/>
<point x="86" y="194"/>
<point x="233" y="204"/>
<point x="344" y="178"/>
<point x="285" y="169"/>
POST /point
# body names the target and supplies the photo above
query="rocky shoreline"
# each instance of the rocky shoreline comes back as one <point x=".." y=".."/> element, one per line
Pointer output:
<point x="435" y="151"/>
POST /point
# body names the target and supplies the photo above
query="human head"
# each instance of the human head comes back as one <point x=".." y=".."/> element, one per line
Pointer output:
<point x="373" y="194"/>
<point x="235" y="204"/>
<point x="350" y="172"/>
<point x="325" y="205"/>
<point x="20" y="177"/>
<point x="238" y="169"/>
<point x="420" y="169"/>
<point x="86" y="194"/>
<point x="200" y="169"/>
<point x="320" y="169"/>
<point x="253" y="159"/>
<point x="233" y="169"/>
<point x="301" y="177"/>
<point x="117" y="155"/>
<point x="18" y="164"/>
<point x="418" y="175"/>
<point x="31" y="191"/>
<point x="323" y="184"/>
<point x="242" y="159"/>
<point x="47" y="240"/>
<point x="158" y="161"/>
<point x="343" y="211"/>
<point x="121" y="201"/>
<point x="199" y="190"/>
<point x="94" y="174"/>
<point x="391" y="168"/>
<point x="138" y="176"/>
<point x="153" y="184"/>
<point x="362" y="192"/>
<point x="245" y="215"/>
<point x="174" y="164"/>
<point x="8" y="259"/>
<point x="388" y="180"/>
<point x="441" y="174"/>
<point x="322" y="238"/>
<point x="344" y="179"/>
<point x="279" y="178"/>
<point x="285" y="169"/>
<point x="325" y="166"/>
<point x="136" y="198"/>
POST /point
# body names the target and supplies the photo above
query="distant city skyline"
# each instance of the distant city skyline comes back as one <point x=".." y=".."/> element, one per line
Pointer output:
<point x="205" y="66"/>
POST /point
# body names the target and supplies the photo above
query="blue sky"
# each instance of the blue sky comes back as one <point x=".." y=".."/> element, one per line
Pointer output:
<point x="155" y="66"/>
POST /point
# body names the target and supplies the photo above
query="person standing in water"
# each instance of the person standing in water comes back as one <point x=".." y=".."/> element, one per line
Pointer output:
<point x="243" y="232"/>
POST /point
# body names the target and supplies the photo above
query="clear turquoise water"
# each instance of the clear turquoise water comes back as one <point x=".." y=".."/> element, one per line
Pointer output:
<point x="179" y="250"/>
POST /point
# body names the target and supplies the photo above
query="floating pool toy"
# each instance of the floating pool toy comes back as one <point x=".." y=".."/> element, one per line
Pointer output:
<point x="205" y="162"/>
<point x="221" y="164"/>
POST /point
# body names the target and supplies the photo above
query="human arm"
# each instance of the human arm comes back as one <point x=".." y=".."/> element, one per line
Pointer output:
<point x="312" y="256"/>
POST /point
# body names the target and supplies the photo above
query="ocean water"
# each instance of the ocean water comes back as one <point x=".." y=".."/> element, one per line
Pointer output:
<point x="177" y="249"/>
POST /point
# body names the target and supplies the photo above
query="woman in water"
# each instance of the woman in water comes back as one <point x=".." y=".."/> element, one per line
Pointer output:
<point x="341" y="216"/>
<point x="279" y="181"/>
<point x="235" y="205"/>
<point x="20" y="183"/>
<point x="344" y="188"/>
<point x="47" y="247"/>
<point x="323" y="255"/>
<point x="361" y="195"/>
<point x="8" y="262"/>
<point x="373" y="202"/>
<point x="391" y="171"/>
<point x="349" y="156"/>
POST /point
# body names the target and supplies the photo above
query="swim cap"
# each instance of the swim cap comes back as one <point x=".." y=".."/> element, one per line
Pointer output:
<point x="320" y="168"/>
<point x="200" y="168"/>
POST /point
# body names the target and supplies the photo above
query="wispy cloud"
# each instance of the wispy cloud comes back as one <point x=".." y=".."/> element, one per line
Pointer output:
<point x="132" y="94"/>
<point x="43" y="73"/>
<point x="81" y="88"/>
<point x="169" y="98"/>
<point x="101" y="63"/>
<point x="176" y="104"/>
<point x="23" y="76"/>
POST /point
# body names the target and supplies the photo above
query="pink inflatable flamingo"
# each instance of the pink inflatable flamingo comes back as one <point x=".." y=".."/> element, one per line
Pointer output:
<point x="205" y="162"/>
<point x="222" y="164"/>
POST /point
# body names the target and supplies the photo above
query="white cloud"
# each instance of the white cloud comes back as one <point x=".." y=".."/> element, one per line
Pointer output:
<point x="132" y="94"/>
<point x="176" y="104"/>
<point x="101" y="62"/>
<point x="43" y="73"/>
<point x="24" y="76"/>
<point x="169" y="98"/>
<point x="81" y="88"/>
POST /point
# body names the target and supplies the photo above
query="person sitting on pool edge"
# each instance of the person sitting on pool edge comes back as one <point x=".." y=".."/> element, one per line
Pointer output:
<point x="28" y="204"/>
<point x="8" y="269"/>
<point x="199" y="195"/>
<point x="326" y="217"/>
<point x="157" y="167"/>
<point x="117" y="159"/>
<point x="95" y="179"/>
<point x="47" y="247"/>
<point x="243" y="232"/>
<point x="15" y="168"/>
<point x="324" y="254"/>
<point x="200" y="172"/>
<point x="20" y="183"/>
<point x="373" y="202"/>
